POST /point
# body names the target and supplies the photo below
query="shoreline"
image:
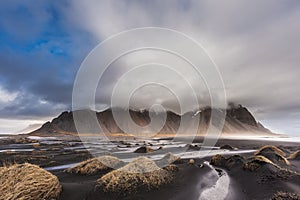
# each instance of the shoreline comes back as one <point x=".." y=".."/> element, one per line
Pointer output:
<point x="57" y="153"/>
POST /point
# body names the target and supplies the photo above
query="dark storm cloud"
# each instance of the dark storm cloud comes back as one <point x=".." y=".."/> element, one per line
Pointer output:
<point x="39" y="75"/>
<point x="254" y="43"/>
<point x="39" y="56"/>
<point x="29" y="106"/>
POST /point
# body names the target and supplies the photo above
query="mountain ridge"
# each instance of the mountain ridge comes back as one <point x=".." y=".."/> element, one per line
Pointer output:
<point x="238" y="120"/>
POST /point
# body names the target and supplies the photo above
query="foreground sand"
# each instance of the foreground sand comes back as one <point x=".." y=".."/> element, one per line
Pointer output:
<point x="190" y="181"/>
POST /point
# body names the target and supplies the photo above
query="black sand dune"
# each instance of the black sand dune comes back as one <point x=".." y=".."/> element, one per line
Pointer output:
<point x="191" y="181"/>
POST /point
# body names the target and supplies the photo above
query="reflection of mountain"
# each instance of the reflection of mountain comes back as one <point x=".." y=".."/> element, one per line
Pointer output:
<point x="238" y="119"/>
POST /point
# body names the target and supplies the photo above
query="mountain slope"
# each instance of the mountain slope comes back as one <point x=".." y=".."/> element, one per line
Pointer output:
<point x="238" y="120"/>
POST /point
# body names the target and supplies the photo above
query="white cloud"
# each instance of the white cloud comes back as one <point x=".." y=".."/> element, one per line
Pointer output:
<point x="6" y="96"/>
<point x="11" y="126"/>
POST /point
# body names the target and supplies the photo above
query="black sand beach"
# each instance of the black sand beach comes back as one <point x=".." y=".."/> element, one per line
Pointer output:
<point x="191" y="181"/>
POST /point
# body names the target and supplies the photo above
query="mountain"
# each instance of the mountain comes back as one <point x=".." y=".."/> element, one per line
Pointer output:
<point x="238" y="120"/>
<point x="28" y="129"/>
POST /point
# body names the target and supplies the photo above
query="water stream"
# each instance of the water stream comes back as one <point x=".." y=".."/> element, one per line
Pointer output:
<point x="219" y="190"/>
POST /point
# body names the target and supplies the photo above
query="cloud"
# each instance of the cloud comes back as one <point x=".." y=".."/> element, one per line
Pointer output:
<point x="6" y="96"/>
<point x="38" y="58"/>
<point x="30" y="106"/>
<point x="254" y="43"/>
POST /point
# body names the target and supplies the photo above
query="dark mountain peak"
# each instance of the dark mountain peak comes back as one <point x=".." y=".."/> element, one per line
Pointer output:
<point x="242" y="114"/>
<point x="238" y="119"/>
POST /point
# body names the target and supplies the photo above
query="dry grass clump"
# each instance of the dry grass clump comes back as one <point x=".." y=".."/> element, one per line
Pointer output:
<point x="282" y="160"/>
<point x="143" y="150"/>
<point x="171" y="168"/>
<point x="168" y="159"/>
<point x="193" y="147"/>
<point x="235" y="160"/>
<point x="270" y="148"/>
<point x="267" y="170"/>
<point x="139" y="175"/>
<point x="256" y="162"/>
<point x="230" y="163"/>
<point x="140" y="165"/>
<point x="274" y="154"/>
<point x="25" y="140"/>
<point x="96" y="165"/>
<point x="27" y="181"/>
<point x="218" y="160"/>
<point x="295" y="156"/>
<point x="286" y="196"/>
<point x="171" y="158"/>
<point x="227" y="147"/>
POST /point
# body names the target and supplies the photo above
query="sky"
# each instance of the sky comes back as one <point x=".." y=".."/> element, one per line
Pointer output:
<point x="255" y="44"/>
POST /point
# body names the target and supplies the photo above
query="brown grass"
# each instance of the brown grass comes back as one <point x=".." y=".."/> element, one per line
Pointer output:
<point x="227" y="146"/>
<point x="270" y="148"/>
<point x="234" y="160"/>
<point x="139" y="175"/>
<point x="274" y="154"/>
<point x="25" y="140"/>
<point x="283" y="160"/>
<point x="96" y="165"/>
<point x="143" y="150"/>
<point x="228" y="163"/>
<point x="27" y="181"/>
<point x="256" y="162"/>
<point x="171" y="168"/>
<point x="218" y="160"/>
<point x="295" y="155"/>
<point x="170" y="158"/>
<point x="286" y="196"/>
<point x="267" y="170"/>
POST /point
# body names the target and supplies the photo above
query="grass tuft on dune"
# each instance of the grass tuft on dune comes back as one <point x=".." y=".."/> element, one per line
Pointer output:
<point x="256" y="162"/>
<point x="171" y="168"/>
<point x="270" y="148"/>
<point x="235" y="160"/>
<point x="171" y="158"/>
<point x="286" y="196"/>
<point x="267" y="169"/>
<point x="141" y="174"/>
<point x="227" y="146"/>
<point x="96" y="165"/>
<point x="168" y="159"/>
<point x="229" y="163"/>
<point x="295" y="155"/>
<point x="274" y="154"/>
<point x="218" y="160"/>
<point x="27" y="181"/>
